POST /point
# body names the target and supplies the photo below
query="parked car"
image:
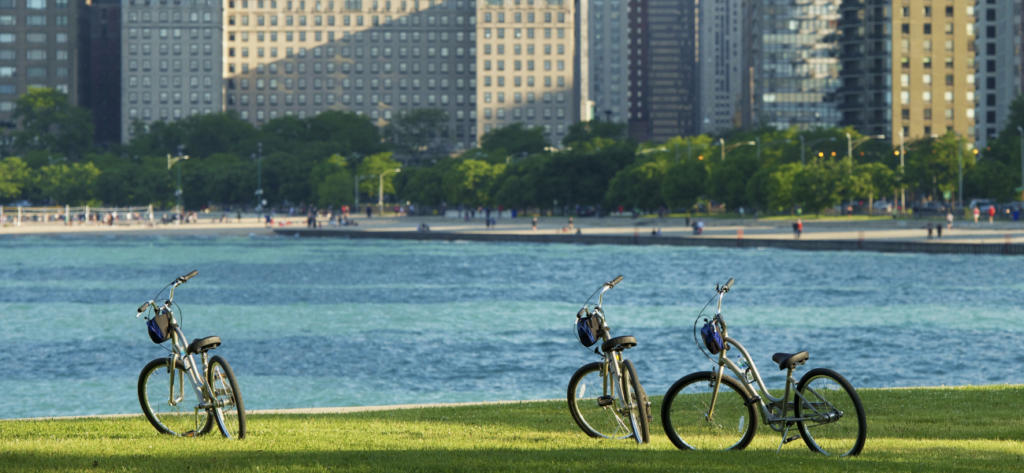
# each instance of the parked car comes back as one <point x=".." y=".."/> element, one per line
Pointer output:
<point x="982" y="204"/>
<point x="882" y="206"/>
<point x="929" y="207"/>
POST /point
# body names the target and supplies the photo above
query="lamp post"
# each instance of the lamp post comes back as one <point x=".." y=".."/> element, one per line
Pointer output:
<point x="804" y="148"/>
<point x="258" y="157"/>
<point x="726" y="149"/>
<point x="380" y="198"/>
<point x="171" y="162"/>
<point x="903" y="173"/>
<point x="852" y="143"/>
<point x="365" y="176"/>
<point x="1021" y="131"/>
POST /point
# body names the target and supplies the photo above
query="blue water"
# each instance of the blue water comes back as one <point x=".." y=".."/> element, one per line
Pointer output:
<point x="331" y="322"/>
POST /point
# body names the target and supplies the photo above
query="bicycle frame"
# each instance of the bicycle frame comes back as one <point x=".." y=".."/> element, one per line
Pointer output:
<point x="612" y="360"/>
<point x="779" y="423"/>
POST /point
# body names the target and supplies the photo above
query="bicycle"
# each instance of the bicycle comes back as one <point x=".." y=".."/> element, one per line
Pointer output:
<point x="712" y="410"/>
<point x="605" y="398"/>
<point x="213" y="396"/>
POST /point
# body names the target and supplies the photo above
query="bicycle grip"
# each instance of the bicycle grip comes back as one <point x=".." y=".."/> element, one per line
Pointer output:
<point x="188" y="276"/>
<point x="143" y="307"/>
<point x="615" y="281"/>
<point x="728" y="284"/>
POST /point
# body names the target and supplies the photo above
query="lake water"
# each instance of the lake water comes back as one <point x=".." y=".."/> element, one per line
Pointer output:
<point x="333" y="322"/>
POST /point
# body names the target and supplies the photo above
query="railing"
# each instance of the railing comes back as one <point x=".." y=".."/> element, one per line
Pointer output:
<point x="16" y="216"/>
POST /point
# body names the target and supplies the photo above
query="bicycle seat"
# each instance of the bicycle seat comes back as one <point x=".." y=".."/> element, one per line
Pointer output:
<point x="201" y="345"/>
<point x="619" y="343"/>
<point x="790" y="360"/>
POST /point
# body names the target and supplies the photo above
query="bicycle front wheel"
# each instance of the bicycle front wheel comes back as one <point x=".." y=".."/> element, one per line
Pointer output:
<point x="836" y="423"/>
<point x="225" y="390"/>
<point x="691" y="425"/>
<point x="169" y="402"/>
<point x="594" y="406"/>
<point x="638" y="398"/>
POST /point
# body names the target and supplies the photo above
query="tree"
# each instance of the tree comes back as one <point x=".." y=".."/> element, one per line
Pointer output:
<point x="419" y="133"/>
<point x="332" y="181"/>
<point x="684" y="184"/>
<point x="49" y="122"/>
<point x="65" y="184"/>
<point x="514" y="139"/>
<point x="374" y="165"/>
<point x="638" y="185"/>
<point x="470" y="182"/>
<point x="780" y="187"/>
<point x="934" y="164"/>
<point x="583" y="132"/>
<point x="819" y="185"/>
<point x="876" y="179"/>
<point x="14" y="175"/>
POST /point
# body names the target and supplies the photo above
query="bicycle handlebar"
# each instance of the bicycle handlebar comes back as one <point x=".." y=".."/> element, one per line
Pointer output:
<point x="728" y="284"/>
<point x="184" y="279"/>
<point x="613" y="282"/>
<point x="144" y="306"/>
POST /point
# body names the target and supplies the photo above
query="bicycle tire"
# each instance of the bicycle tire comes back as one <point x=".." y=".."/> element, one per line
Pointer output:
<point x="831" y="437"/>
<point x="178" y="418"/>
<point x="639" y="396"/>
<point x="684" y="414"/>
<point x="224" y="387"/>
<point x="585" y="387"/>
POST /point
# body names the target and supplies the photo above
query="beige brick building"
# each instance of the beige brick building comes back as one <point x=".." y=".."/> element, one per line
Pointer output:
<point x="525" y="64"/>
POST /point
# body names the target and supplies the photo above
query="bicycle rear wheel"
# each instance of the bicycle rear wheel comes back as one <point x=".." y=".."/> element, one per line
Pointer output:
<point x="684" y="414"/>
<point x="225" y="389"/>
<point x="638" y="397"/>
<point x="837" y="425"/>
<point x="169" y="402"/>
<point x="594" y="406"/>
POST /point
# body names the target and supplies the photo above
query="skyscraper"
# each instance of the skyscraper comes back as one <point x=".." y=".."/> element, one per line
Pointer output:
<point x="171" y="64"/>
<point x="526" y="64"/>
<point x="101" y="69"/>
<point x="721" y="64"/>
<point x="609" y="59"/>
<point x="998" y="66"/>
<point x="39" y="47"/>
<point x="662" y="96"/>
<point x="795" y="63"/>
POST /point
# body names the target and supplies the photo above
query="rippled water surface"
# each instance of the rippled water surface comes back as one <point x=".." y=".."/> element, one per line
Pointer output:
<point x="330" y="322"/>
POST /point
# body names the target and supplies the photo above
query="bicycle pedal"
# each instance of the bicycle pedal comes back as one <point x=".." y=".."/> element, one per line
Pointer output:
<point x="790" y="439"/>
<point x="604" y="401"/>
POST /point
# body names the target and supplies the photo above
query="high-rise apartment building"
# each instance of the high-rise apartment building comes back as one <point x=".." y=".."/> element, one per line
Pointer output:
<point x="865" y="98"/>
<point x="375" y="58"/>
<point x="795" y="64"/>
<point x="663" y="78"/>
<point x="101" y="70"/>
<point x="923" y="84"/>
<point x="171" y="60"/>
<point x="39" y="47"/>
<point x="526" y="64"/>
<point x="998" y="43"/>
<point x="609" y="59"/>
<point x="933" y="69"/>
<point x="721" y="62"/>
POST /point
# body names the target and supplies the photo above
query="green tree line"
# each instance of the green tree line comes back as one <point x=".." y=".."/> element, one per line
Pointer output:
<point x="316" y="160"/>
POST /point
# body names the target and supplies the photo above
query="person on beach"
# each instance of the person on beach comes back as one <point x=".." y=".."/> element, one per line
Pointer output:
<point x="938" y="230"/>
<point x="991" y="213"/>
<point x="799" y="228"/>
<point x="571" y="225"/>
<point x="949" y="220"/>
<point x="929" y="230"/>
<point x="977" y="213"/>
<point x="534" y="223"/>
<point x="369" y="211"/>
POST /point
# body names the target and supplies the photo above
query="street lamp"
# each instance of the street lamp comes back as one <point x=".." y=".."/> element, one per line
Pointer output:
<point x="804" y="148"/>
<point x="171" y="162"/>
<point x="660" y="148"/>
<point x="365" y="176"/>
<point x="380" y="199"/>
<point x="852" y="143"/>
<point x="726" y="149"/>
<point x="258" y="157"/>
<point x="903" y="174"/>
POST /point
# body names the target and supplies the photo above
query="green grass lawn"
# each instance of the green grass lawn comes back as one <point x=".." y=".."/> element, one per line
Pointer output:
<point x="934" y="429"/>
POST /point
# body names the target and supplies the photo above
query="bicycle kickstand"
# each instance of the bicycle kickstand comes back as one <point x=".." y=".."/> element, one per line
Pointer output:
<point x="784" y="439"/>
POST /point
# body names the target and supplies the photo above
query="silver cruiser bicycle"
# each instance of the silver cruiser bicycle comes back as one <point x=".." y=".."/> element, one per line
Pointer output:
<point x="711" y="410"/>
<point x="179" y="396"/>
<point x="605" y="398"/>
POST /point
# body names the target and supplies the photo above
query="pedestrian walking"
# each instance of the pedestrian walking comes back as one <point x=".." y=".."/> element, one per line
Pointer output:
<point x="938" y="230"/>
<point x="949" y="220"/>
<point x="929" y="230"/>
<point x="571" y="225"/>
<point x="977" y="213"/>
<point x="799" y="228"/>
<point x="991" y="213"/>
<point x="534" y="223"/>
<point x="369" y="211"/>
